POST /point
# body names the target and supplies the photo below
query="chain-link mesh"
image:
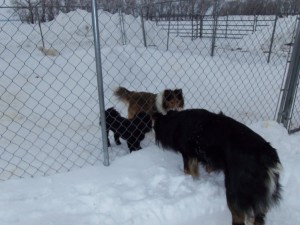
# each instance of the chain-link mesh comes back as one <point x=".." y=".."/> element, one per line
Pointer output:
<point x="49" y="105"/>
<point x="49" y="112"/>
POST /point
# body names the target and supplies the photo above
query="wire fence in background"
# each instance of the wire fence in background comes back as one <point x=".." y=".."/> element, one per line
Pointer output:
<point x="289" y="111"/>
<point x="49" y="102"/>
<point x="200" y="26"/>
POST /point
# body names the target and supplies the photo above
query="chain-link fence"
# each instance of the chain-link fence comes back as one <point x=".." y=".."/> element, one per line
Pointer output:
<point x="49" y="106"/>
<point x="289" y="110"/>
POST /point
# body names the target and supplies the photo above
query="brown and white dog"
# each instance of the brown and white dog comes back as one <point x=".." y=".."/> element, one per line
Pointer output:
<point x="149" y="102"/>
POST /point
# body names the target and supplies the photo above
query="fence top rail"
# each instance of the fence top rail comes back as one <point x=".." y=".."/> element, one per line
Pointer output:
<point x="210" y="18"/>
<point x="203" y="15"/>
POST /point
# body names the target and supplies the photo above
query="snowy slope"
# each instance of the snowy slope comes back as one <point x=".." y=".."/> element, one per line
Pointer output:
<point x="146" y="187"/>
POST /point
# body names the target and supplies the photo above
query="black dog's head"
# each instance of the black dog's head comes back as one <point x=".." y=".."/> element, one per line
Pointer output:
<point x="111" y="115"/>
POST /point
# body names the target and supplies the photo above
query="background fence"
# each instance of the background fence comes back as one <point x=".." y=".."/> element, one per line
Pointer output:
<point x="289" y="113"/>
<point x="201" y="26"/>
<point x="49" y="106"/>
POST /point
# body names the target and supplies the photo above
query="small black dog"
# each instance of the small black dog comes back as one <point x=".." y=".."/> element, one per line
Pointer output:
<point x="133" y="131"/>
<point x="250" y="164"/>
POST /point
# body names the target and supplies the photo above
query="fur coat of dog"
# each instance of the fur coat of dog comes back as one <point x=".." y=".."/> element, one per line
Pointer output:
<point x="133" y="130"/>
<point x="149" y="102"/>
<point x="250" y="164"/>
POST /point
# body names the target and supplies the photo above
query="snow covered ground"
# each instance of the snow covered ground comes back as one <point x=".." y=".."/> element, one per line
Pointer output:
<point x="49" y="122"/>
<point x="146" y="187"/>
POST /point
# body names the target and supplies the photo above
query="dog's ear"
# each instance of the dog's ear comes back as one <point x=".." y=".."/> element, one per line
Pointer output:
<point x="110" y="109"/>
<point x="178" y="92"/>
<point x="168" y="94"/>
<point x="179" y="96"/>
<point x="221" y="113"/>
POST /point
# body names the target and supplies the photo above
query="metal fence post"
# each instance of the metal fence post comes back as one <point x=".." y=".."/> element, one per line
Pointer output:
<point x="40" y="26"/>
<point x="254" y="23"/>
<point x="169" y="24"/>
<point x="143" y="28"/>
<point x="192" y="23"/>
<point x="288" y="95"/>
<point x="100" y="80"/>
<point x="226" y="27"/>
<point x="197" y="26"/>
<point x="213" y="39"/>
<point x="122" y="25"/>
<point x="215" y="24"/>
<point x="201" y="25"/>
<point x="177" y="25"/>
<point x="272" y="38"/>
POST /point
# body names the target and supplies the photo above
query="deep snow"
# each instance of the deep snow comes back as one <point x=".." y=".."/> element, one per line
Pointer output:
<point x="145" y="187"/>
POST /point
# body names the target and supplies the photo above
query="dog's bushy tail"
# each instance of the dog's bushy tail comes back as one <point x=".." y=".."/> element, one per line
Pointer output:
<point x="257" y="197"/>
<point x="123" y="94"/>
<point x="274" y="186"/>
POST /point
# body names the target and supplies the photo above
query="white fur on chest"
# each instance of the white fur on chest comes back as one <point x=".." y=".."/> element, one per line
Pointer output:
<point x="159" y="103"/>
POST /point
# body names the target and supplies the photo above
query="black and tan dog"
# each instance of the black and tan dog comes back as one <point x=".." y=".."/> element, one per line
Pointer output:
<point x="133" y="131"/>
<point x="250" y="164"/>
<point x="149" y="102"/>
